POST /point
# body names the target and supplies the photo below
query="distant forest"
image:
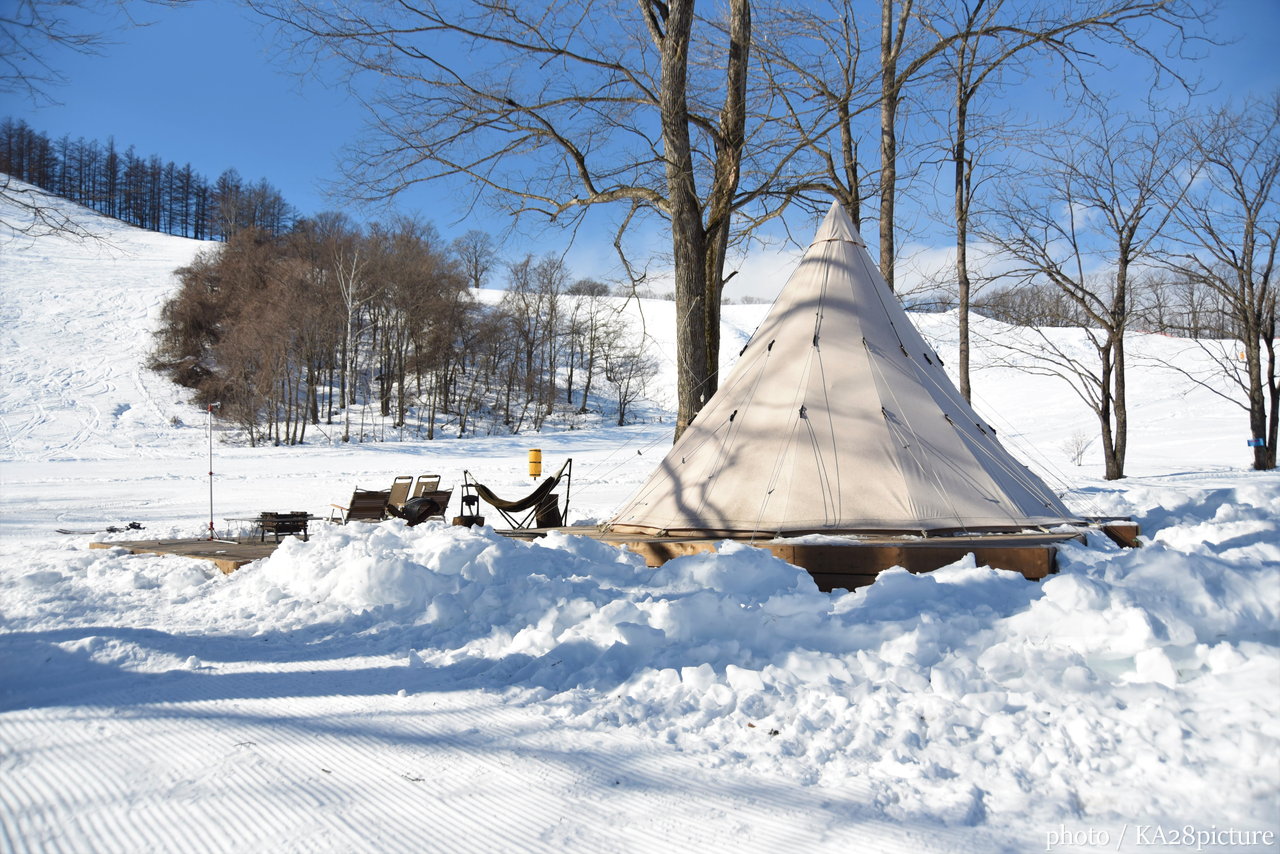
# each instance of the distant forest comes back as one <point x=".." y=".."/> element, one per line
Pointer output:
<point x="373" y="328"/>
<point x="142" y="190"/>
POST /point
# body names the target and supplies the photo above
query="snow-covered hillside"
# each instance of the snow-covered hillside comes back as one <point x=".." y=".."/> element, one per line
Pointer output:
<point x="381" y="688"/>
<point x="75" y="327"/>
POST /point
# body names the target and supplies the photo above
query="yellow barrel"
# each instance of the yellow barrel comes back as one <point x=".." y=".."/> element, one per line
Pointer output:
<point x="535" y="462"/>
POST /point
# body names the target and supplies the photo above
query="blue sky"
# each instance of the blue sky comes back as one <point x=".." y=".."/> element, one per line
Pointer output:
<point x="201" y="84"/>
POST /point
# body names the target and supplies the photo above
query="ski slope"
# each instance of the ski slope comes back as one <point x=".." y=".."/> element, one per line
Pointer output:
<point x="382" y="688"/>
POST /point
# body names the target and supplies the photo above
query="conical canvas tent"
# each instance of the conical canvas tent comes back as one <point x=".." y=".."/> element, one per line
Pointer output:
<point x="838" y="418"/>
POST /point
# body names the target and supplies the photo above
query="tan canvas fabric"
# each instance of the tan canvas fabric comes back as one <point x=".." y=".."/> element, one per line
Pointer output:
<point x="838" y="417"/>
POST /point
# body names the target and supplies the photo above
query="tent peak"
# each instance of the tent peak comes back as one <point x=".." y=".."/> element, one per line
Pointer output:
<point x="838" y="226"/>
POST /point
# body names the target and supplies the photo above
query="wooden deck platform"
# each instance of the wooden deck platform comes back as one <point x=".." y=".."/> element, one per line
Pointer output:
<point x="852" y="563"/>
<point x="834" y="564"/>
<point x="227" y="554"/>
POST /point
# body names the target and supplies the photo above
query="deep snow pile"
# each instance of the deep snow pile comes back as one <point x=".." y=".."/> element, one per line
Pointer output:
<point x="1127" y="685"/>
<point x="1134" y="684"/>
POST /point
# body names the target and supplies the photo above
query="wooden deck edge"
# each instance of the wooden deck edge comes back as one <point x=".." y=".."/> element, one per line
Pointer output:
<point x="1124" y="532"/>
<point x="855" y="564"/>
<point x="226" y="562"/>
<point x="839" y="565"/>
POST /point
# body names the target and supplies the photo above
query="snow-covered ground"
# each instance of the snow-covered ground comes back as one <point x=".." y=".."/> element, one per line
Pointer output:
<point x="381" y="688"/>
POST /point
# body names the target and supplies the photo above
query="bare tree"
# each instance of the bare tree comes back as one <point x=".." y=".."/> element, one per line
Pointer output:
<point x="224" y="333"/>
<point x="628" y="370"/>
<point x="975" y="61"/>
<point x="593" y="323"/>
<point x="444" y="351"/>
<point x="827" y="78"/>
<point x="551" y="278"/>
<point x="812" y="58"/>
<point x="532" y="304"/>
<point x="563" y="106"/>
<point x="1231" y="221"/>
<point x="588" y="288"/>
<point x="477" y="254"/>
<point x="1101" y="200"/>
<point x="347" y="257"/>
<point x="990" y="37"/>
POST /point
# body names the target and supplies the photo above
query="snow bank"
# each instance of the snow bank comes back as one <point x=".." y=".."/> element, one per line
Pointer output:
<point x="1134" y="683"/>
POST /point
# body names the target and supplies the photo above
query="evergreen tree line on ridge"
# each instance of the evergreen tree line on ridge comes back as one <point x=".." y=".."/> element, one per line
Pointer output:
<point x="144" y="191"/>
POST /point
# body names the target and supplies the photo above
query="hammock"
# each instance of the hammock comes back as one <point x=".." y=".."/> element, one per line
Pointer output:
<point x="542" y="505"/>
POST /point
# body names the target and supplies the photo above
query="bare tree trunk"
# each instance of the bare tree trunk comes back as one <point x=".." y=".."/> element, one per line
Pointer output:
<point x="890" y="91"/>
<point x="589" y="367"/>
<point x="349" y="273"/>
<point x="313" y="400"/>
<point x="687" y="234"/>
<point x="431" y="421"/>
<point x="1273" y="417"/>
<point x="849" y="158"/>
<point x="730" y="142"/>
<point x="1119" y="325"/>
<point x="962" y="235"/>
<point x="1257" y="397"/>
<point x="348" y="377"/>
<point x="699" y="250"/>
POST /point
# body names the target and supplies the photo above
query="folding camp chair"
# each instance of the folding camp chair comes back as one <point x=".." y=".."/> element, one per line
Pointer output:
<point x="399" y="491"/>
<point x="366" y="505"/>
<point x="540" y="506"/>
<point x="426" y="483"/>
<point x="430" y="504"/>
